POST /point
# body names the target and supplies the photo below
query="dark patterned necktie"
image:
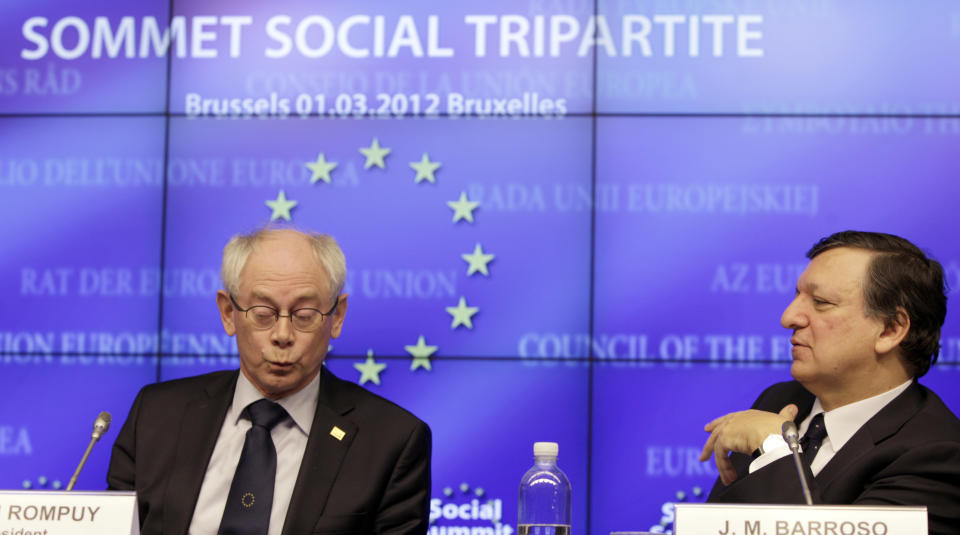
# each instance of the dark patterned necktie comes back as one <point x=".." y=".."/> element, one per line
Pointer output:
<point x="813" y="438"/>
<point x="251" y="494"/>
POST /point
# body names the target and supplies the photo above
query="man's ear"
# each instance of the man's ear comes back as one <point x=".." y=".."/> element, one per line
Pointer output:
<point x="338" y="315"/>
<point x="226" y="312"/>
<point x="893" y="332"/>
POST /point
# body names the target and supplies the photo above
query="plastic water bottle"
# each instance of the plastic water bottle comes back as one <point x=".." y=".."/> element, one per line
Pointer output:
<point x="544" y="507"/>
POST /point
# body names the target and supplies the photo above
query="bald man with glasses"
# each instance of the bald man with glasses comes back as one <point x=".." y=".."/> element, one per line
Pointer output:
<point x="280" y="446"/>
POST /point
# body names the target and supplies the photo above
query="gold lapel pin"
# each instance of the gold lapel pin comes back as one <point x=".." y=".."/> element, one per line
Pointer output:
<point x="337" y="433"/>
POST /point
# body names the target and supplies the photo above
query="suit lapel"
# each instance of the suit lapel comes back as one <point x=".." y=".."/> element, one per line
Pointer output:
<point x="202" y="421"/>
<point x="882" y="426"/>
<point x="322" y="458"/>
<point x="804" y="406"/>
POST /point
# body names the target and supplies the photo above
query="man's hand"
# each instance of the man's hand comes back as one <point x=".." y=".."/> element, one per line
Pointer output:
<point x="741" y="432"/>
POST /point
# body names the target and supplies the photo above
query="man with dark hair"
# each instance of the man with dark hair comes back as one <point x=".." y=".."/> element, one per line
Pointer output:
<point x="280" y="446"/>
<point x="900" y="277"/>
<point x="866" y="324"/>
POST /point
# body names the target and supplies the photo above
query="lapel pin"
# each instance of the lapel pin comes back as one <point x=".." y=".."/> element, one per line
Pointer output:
<point x="337" y="433"/>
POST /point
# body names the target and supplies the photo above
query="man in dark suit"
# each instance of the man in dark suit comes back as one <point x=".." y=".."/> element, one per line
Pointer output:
<point x="866" y="324"/>
<point x="345" y="460"/>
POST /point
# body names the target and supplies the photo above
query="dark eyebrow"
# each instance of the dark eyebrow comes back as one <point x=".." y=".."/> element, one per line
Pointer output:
<point x="811" y="287"/>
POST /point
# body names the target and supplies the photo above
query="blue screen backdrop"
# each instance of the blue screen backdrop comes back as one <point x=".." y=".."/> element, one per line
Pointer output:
<point x="645" y="175"/>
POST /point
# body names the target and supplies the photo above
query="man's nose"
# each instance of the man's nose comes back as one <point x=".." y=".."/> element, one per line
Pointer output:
<point x="793" y="316"/>
<point x="282" y="332"/>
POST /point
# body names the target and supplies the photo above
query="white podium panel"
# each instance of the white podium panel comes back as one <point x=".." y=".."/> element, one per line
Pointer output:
<point x="749" y="519"/>
<point x="68" y="513"/>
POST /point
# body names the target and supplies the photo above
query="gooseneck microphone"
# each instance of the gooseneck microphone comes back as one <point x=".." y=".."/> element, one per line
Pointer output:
<point x="100" y="426"/>
<point x="789" y="432"/>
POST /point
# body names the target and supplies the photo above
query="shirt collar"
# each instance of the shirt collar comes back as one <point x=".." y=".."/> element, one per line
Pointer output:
<point x="841" y="423"/>
<point x="301" y="405"/>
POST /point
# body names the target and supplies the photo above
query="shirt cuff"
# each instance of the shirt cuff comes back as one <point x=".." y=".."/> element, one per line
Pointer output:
<point x="774" y="448"/>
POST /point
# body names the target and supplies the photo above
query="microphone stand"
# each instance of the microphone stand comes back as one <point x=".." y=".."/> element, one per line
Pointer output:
<point x="789" y="432"/>
<point x="100" y="426"/>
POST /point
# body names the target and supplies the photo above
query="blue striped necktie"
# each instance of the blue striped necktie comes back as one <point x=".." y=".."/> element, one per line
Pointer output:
<point x="813" y="438"/>
<point x="251" y="494"/>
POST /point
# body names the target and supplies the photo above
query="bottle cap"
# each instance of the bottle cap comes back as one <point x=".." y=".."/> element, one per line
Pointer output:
<point x="545" y="449"/>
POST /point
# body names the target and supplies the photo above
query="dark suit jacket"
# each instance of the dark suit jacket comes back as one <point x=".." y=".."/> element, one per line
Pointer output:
<point x="907" y="454"/>
<point x="375" y="480"/>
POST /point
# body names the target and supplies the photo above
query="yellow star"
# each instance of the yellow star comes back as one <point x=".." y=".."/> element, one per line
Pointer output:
<point x="424" y="169"/>
<point x="370" y="369"/>
<point x="478" y="261"/>
<point x="321" y="169"/>
<point x="421" y="354"/>
<point x="375" y="155"/>
<point x="462" y="208"/>
<point x="462" y="314"/>
<point x="281" y="207"/>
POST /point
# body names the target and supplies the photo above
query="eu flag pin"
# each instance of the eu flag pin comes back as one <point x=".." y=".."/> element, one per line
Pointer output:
<point x="337" y="433"/>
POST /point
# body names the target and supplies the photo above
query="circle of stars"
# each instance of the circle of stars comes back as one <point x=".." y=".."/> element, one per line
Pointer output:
<point x="477" y="261"/>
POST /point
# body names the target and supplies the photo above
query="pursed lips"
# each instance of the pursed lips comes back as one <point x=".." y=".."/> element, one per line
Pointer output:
<point x="281" y="363"/>
<point x="797" y="344"/>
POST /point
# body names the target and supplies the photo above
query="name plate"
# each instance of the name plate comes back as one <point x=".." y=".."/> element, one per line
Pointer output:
<point x="746" y="519"/>
<point x="68" y="513"/>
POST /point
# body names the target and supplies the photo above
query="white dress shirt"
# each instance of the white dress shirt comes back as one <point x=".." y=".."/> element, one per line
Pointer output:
<point x="289" y="438"/>
<point x="841" y="424"/>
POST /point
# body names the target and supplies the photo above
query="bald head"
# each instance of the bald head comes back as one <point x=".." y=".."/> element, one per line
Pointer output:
<point x="283" y="241"/>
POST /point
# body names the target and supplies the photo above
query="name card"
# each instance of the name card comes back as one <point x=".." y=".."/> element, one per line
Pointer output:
<point x="741" y="519"/>
<point x="68" y="513"/>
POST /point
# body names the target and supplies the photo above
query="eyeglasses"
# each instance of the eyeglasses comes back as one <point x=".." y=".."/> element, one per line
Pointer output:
<point x="302" y="319"/>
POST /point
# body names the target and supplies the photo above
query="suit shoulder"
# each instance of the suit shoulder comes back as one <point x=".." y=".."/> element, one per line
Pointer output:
<point x="775" y="396"/>
<point x="367" y="402"/>
<point x="188" y="386"/>
<point x="935" y="415"/>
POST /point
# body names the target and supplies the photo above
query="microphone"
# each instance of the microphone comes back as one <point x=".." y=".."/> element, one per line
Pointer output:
<point x="100" y="426"/>
<point x="789" y="432"/>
